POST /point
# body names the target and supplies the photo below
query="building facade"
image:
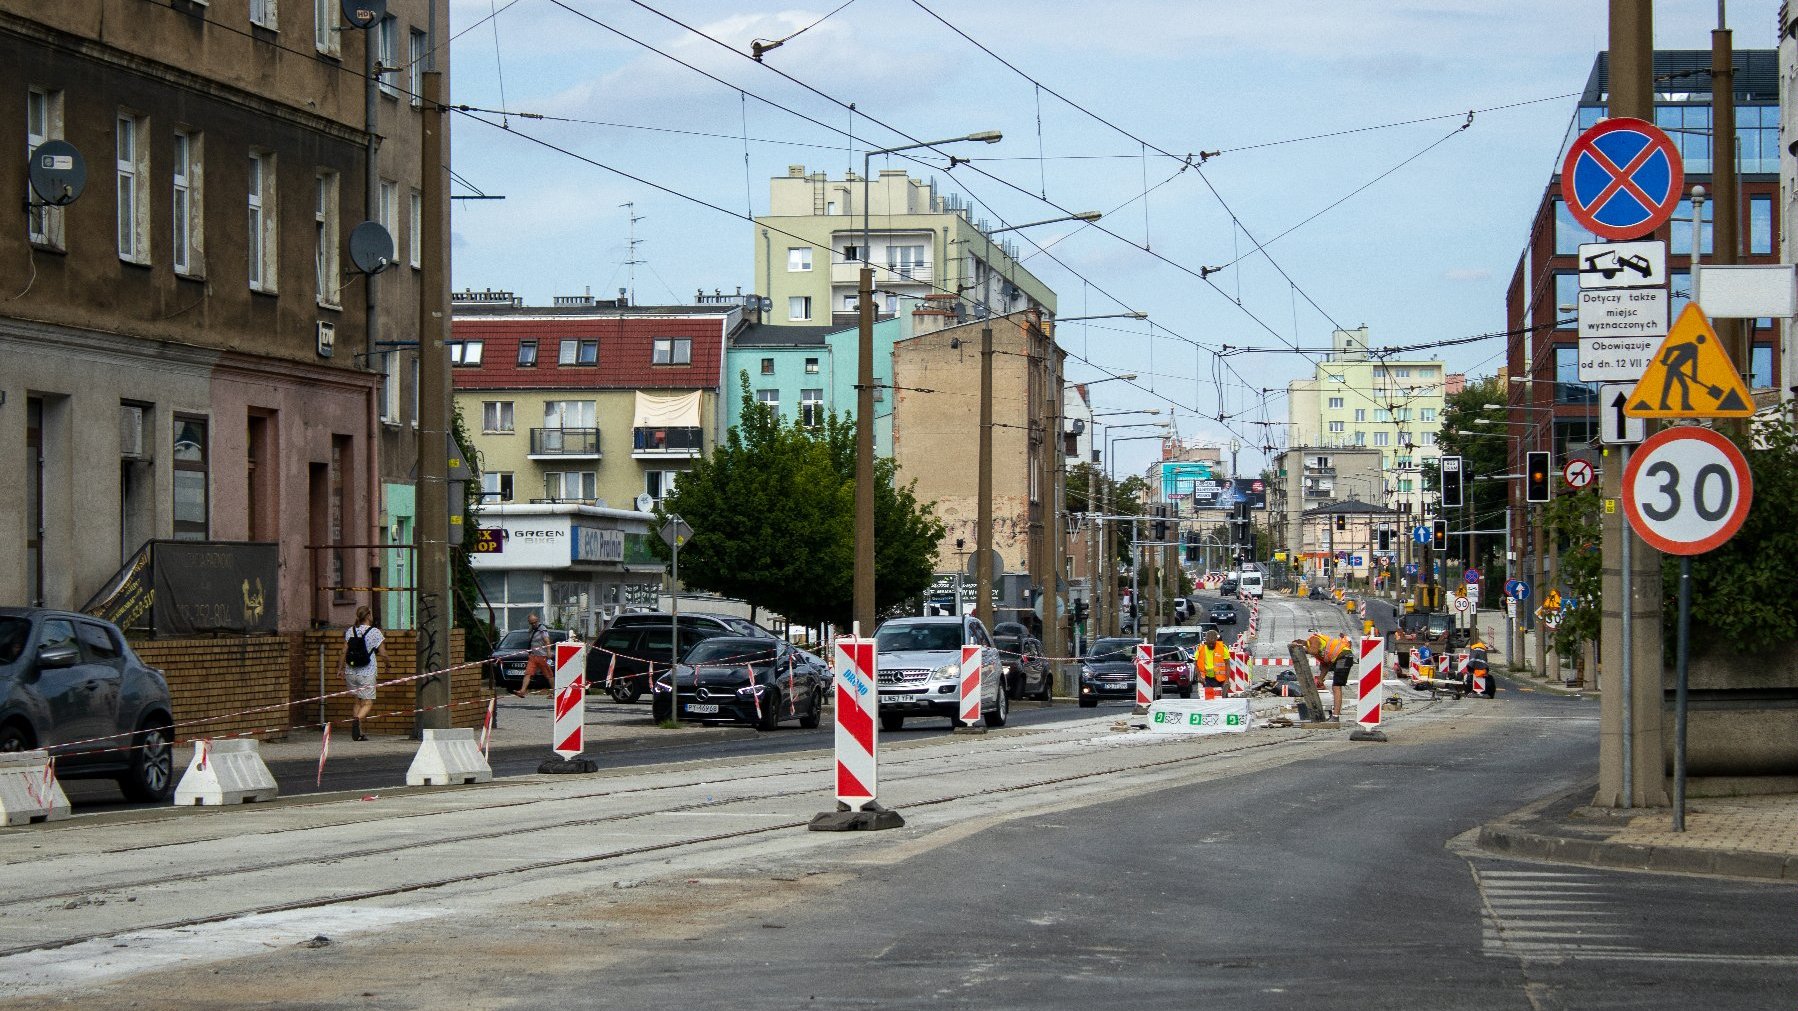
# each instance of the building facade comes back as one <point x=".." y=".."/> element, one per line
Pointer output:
<point x="188" y="347"/>
<point x="1308" y="479"/>
<point x="808" y="373"/>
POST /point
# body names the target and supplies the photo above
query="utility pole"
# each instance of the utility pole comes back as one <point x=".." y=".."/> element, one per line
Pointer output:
<point x="1054" y="459"/>
<point x="983" y="519"/>
<point x="1726" y="211"/>
<point x="1631" y="771"/>
<point x="435" y="602"/>
<point x="864" y="448"/>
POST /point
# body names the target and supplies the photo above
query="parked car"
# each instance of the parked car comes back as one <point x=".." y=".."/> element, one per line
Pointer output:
<point x="633" y="642"/>
<point x="919" y="669"/>
<point x="1109" y="671"/>
<point x="1175" y="668"/>
<point x="1027" y="671"/>
<point x="70" y="684"/>
<point x="1228" y="587"/>
<point x="505" y="666"/>
<point x="1223" y="613"/>
<point x="747" y="679"/>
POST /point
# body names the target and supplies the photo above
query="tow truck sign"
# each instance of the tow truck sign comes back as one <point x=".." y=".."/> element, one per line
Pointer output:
<point x="1623" y="264"/>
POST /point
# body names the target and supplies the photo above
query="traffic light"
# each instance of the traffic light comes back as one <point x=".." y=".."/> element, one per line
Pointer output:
<point x="1080" y="610"/>
<point x="1439" y="535"/>
<point x="1385" y="539"/>
<point x="1158" y="532"/>
<point x="1341" y="522"/>
<point x="1192" y="549"/>
<point x="1451" y="482"/>
<point x="1535" y="477"/>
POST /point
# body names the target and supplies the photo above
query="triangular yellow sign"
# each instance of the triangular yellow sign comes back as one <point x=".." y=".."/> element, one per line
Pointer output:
<point x="1690" y="376"/>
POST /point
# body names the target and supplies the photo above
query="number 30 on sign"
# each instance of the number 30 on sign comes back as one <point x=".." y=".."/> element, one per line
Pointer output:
<point x="1687" y="490"/>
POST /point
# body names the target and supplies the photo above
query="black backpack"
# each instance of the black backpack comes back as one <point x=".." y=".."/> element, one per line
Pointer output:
<point x="356" y="653"/>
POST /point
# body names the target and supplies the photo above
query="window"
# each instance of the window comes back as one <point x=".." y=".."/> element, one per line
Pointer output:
<point x="324" y="26"/>
<point x="568" y="414"/>
<point x="415" y="67"/>
<point x="387" y="39"/>
<point x="263" y="13"/>
<point x="672" y="351"/>
<point x="905" y="259"/>
<point x="43" y="122"/>
<point x="1404" y="485"/>
<point x="496" y="416"/>
<point x="1689" y="127"/>
<point x="190" y="478"/>
<point x="260" y="234"/>
<point x="799" y="307"/>
<point x="1404" y="438"/>
<point x="1760" y="226"/>
<point x="1401" y="373"/>
<point x="466" y="354"/>
<point x="578" y="353"/>
<point x="1382" y="414"/>
<point x="1679" y="291"/>
<point x="892" y="304"/>
<point x="390" y="387"/>
<point x="799" y="258"/>
<point x="1680" y="228"/>
<point x="387" y="210"/>
<point x="811" y="366"/>
<point x="1568" y="388"/>
<point x="1382" y="438"/>
<point x="527" y="354"/>
<point x="1336" y="403"/>
<point x="573" y="485"/>
<point x="415" y="234"/>
<point x="414" y="391"/>
<point x="1402" y="414"/>
<point x="1336" y="426"/>
<point x="1566" y="294"/>
<point x="811" y="408"/>
<point x="851" y="252"/>
<point x="1570" y="233"/>
<point x="1429" y="438"/>
<point x="660" y="483"/>
<point x="185" y="205"/>
<point x="133" y="180"/>
<point x="496" y="485"/>
<point x="1335" y="377"/>
<point x="324" y="217"/>
<point x="1360" y="414"/>
<point x="1429" y="414"/>
<point x="767" y="366"/>
<point x="769" y="399"/>
<point x="1360" y="437"/>
<point x="852" y="303"/>
<point x="1760" y="370"/>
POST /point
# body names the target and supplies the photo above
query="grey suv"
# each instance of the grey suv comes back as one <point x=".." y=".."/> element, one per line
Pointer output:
<point x="918" y="664"/>
<point x="70" y="683"/>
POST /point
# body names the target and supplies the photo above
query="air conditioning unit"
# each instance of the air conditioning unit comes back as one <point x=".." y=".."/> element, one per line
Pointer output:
<point x="327" y="338"/>
<point x="131" y="431"/>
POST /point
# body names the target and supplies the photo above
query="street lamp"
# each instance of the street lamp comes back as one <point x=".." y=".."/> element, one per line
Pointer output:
<point x="864" y="401"/>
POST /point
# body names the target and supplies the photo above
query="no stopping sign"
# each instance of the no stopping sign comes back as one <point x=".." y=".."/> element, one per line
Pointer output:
<point x="1687" y="490"/>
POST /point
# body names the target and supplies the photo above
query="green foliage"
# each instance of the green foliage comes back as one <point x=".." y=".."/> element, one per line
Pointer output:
<point x="1573" y="519"/>
<point x="773" y="517"/>
<point x="1741" y="592"/>
<point x="479" y="634"/>
<point x="1482" y="452"/>
<point x="1127" y="497"/>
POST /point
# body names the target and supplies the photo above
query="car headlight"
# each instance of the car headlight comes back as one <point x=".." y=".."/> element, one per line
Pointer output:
<point x="748" y="690"/>
<point x="948" y="670"/>
<point x="1086" y="673"/>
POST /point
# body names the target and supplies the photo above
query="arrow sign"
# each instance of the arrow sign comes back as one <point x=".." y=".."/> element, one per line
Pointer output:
<point x="1615" y="426"/>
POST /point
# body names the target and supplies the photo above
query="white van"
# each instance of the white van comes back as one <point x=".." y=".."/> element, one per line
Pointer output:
<point x="1249" y="584"/>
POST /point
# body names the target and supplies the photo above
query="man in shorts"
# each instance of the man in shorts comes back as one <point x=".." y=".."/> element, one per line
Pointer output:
<point x="1336" y="654"/>
<point x="538" y="662"/>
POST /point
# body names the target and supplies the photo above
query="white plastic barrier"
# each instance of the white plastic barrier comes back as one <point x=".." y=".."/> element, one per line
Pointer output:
<point x="29" y="790"/>
<point x="448" y="758"/>
<point x="225" y="772"/>
<point x="1199" y="716"/>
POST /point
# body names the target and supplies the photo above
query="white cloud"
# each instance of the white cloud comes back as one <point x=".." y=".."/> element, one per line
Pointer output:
<point x="1467" y="274"/>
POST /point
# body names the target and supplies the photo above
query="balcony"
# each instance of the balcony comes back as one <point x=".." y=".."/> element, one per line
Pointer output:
<point x="849" y="272"/>
<point x="667" y="443"/>
<point x="564" y="444"/>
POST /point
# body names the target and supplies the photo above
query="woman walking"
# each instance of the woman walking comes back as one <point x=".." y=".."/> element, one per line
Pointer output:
<point x="361" y="643"/>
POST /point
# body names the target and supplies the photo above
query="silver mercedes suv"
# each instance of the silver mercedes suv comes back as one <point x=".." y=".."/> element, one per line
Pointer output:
<point x="919" y="666"/>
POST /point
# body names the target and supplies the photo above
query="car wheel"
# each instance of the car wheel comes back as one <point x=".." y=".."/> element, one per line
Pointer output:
<point x="1086" y="703"/>
<point x="1048" y="692"/>
<point x="1186" y="693"/>
<point x="14" y="738"/>
<point x="770" y="715"/>
<point x="1002" y="711"/>
<point x="814" y="715"/>
<point x="660" y="710"/>
<point x="625" y="691"/>
<point x="152" y="775"/>
<point x="891" y="721"/>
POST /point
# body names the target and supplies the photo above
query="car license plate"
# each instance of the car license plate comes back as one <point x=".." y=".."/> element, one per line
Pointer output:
<point x="702" y="707"/>
<point x="900" y="698"/>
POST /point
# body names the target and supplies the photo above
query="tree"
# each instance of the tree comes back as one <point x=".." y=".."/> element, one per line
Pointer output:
<point x="773" y="517"/>
<point x="1127" y="497"/>
<point x="1573" y="520"/>
<point x="1481" y="448"/>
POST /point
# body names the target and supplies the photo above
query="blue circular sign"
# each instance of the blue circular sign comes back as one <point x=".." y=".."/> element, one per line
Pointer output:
<point x="1420" y="534"/>
<point x="1517" y="589"/>
<point x="1622" y="178"/>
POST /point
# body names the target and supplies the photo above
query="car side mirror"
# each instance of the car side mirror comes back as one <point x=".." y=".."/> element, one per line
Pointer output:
<point x="56" y="657"/>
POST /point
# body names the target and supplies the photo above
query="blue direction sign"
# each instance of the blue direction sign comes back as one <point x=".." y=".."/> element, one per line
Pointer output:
<point x="1517" y="589"/>
<point x="1411" y="569"/>
<point x="1622" y="178"/>
<point x="1355" y="560"/>
<point x="1420" y="534"/>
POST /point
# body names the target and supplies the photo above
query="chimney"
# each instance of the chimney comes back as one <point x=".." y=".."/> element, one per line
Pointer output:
<point x="934" y="312"/>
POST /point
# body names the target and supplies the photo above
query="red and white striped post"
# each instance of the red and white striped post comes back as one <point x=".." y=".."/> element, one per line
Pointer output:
<point x="969" y="720"/>
<point x="568" y="734"/>
<point x="1145" y="676"/>
<point x="1239" y="671"/>
<point x="1370" y="681"/>
<point x="857" y="704"/>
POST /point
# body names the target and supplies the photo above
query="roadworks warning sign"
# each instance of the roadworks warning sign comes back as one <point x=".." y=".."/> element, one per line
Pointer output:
<point x="1690" y="376"/>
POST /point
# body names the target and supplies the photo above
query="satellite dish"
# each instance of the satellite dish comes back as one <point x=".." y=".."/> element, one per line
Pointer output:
<point x="58" y="172"/>
<point x="371" y="248"/>
<point x="767" y="304"/>
<point x="644" y="503"/>
<point x="364" y="13"/>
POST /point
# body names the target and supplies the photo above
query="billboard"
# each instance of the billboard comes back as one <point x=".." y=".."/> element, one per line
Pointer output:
<point x="1186" y="479"/>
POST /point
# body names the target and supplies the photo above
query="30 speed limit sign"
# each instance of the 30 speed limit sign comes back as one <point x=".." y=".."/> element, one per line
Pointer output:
<point x="1687" y="490"/>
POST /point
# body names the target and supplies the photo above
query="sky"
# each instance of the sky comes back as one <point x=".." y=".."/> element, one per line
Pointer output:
<point x="1343" y="150"/>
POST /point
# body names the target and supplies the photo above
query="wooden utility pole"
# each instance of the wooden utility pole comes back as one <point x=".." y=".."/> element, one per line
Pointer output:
<point x="435" y="602"/>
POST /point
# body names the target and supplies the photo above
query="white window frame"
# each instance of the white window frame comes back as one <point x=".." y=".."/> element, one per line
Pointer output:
<point x="185" y="205"/>
<point x="811" y="408"/>
<point x="387" y="209"/>
<point x="325" y="232"/>
<point x="666" y="479"/>
<point x="559" y="414"/>
<point x="811" y="366"/>
<point x="390" y="387"/>
<point x="415" y="239"/>
<point x="672" y="351"/>
<point x="1336" y="426"/>
<point x="265" y="14"/>
<point x="497" y="417"/>
<point x="585" y="481"/>
<point x="416" y="54"/>
<point x="326" y="35"/>
<point x="261" y="233"/>
<point x="132" y="152"/>
<point x="496" y="485"/>
<point x="415" y="386"/>
<point x="799" y="307"/>
<point x="44" y="224"/>
<point x="799" y="259"/>
<point x="1335" y="403"/>
<point x="387" y="38"/>
<point x="769" y="399"/>
<point x="569" y="352"/>
<point x="466" y="354"/>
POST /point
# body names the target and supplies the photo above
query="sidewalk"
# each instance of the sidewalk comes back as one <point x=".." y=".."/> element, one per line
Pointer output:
<point x="1739" y="837"/>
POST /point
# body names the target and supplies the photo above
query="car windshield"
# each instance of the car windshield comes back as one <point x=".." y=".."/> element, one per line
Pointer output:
<point x="1009" y="643"/>
<point x="732" y="651"/>
<point x="13" y="633"/>
<point x="921" y="636"/>
<point x="1106" y="650"/>
<point x="1187" y="637"/>
<point x="1440" y="623"/>
<point x="518" y="638"/>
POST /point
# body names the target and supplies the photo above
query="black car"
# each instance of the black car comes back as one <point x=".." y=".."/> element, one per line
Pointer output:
<point x="1109" y="671"/>
<point x="619" y="662"/>
<point x="505" y="667"/>
<point x="69" y="683"/>
<point x="1228" y="587"/>
<point x="746" y="679"/>
<point x="1027" y="671"/>
<point x="1223" y="613"/>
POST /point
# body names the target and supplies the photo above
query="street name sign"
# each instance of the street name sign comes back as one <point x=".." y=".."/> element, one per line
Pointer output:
<point x="1687" y="490"/>
<point x="1623" y="264"/>
<point x="1615" y="426"/>
<point x="1690" y="376"/>
<point x="1622" y="178"/>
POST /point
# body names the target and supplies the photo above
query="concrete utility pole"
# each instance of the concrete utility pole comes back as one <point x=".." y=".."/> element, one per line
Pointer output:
<point x="1726" y="209"/>
<point x="863" y="604"/>
<point x="1054" y="459"/>
<point x="435" y="602"/>
<point x="1629" y="719"/>
<point x="983" y="514"/>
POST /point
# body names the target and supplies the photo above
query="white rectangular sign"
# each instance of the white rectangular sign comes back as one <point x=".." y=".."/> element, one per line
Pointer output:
<point x="1616" y="428"/>
<point x="1199" y="716"/>
<point x="1615" y="359"/>
<point x="1623" y="264"/>
<point x="1746" y="291"/>
<point x="1623" y="312"/>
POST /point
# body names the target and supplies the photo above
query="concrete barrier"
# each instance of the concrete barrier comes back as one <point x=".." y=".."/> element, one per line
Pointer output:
<point x="225" y="772"/>
<point x="448" y="758"/>
<point x="29" y="791"/>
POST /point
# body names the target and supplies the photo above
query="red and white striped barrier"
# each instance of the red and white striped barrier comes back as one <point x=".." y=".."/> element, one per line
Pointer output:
<point x="1371" y="679"/>
<point x="1271" y="661"/>
<point x="970" y="686"/>
<point x="568" y="734"/>
<point x="857" y="702"/>
<point x="1239" y="671"/>
<point x="1145" y="674"/>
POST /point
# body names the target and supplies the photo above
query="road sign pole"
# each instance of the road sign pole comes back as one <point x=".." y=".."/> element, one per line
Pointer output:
<point x="1679" y="694"/>
<point x="1626" y="631"/>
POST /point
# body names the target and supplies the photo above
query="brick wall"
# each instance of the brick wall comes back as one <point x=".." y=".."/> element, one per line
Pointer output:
<point x="467" y="695"/>
<point x="215" y="677"/>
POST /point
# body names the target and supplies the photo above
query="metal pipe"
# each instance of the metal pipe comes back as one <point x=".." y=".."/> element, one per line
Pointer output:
<point x="1679" y="698"/>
